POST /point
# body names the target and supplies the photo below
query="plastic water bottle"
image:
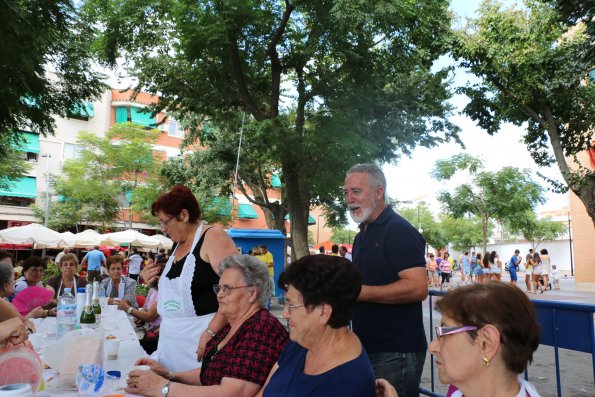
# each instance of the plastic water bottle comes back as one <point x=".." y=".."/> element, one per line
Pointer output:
<point x="66" y="313"/>
<point x="80" y="303"/>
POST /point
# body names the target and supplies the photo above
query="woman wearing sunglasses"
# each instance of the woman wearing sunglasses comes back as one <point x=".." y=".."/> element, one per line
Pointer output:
<point x="239" y="357"/>
<point x="487" y="337"/>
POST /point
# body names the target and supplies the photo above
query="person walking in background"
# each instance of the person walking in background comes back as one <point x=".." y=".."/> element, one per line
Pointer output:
<point x="555" y="277"/>
<point x="513" y="266"/>
<point x="479" y="271"/>
<point x="431" y="266"/>
<point x="545" y="268"/>
<point x="335" y="250"/>
<point x="135" y="262"/>
<point x="537" y="270"/>
<point x="61" y="254"/>
<point x="267" y="258"/>
<point x="94" y="260"/>
<point x="445" y="273"/>
<point x="344" y="253"/>
<point x="389" y="252"/>
<point x="495" y="266"/>
<point x="473" y="260"/>
<point x="465" y="268"/>
<point x="529" y="272"/>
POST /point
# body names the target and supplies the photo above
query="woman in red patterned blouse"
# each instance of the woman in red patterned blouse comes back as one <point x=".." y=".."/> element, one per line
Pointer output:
<point x="240" y="356"/>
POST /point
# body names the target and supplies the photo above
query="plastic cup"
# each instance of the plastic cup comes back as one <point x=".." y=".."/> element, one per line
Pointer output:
<point x="52" y="329"/>
<point x="37" y="341"/>
<point x="112" y="346"/>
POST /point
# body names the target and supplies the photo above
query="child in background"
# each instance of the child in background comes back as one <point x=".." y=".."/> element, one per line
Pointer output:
<point x="556" y="277"/>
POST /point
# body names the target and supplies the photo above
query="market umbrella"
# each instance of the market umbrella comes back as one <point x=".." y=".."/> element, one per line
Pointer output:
<point x="326" y="244"/>
<point x="164" y="242"/>
<point x="131" y="237"/>
<point x="86" y="239"/>
<point x="32" y="233"/>
<point x="31" y="297"/>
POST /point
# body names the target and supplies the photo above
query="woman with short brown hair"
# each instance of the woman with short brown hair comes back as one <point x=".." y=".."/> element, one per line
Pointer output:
<point x="487" y="337"/>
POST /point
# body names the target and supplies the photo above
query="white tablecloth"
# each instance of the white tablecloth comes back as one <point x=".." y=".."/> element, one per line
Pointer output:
<point x="113" y="323"/>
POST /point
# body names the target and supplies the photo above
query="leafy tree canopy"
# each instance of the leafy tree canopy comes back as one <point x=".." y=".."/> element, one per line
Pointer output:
<point x="533" y="72"/>
<point x="536" y="230"/>
<point x="465" y="234"/>
<point x="422" y="217"/>
<point x="326" y="84"/>
<point x="501" y="195"/>
<point x="13" y="165"/>
<point x="46" y="67"/>
<point x="94" y="186"/>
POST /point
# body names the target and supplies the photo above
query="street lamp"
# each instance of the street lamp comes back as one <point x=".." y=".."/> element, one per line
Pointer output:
<point x="570" y="245"/>
<point x="318" y="229"/>
<point x="47" y="192"/>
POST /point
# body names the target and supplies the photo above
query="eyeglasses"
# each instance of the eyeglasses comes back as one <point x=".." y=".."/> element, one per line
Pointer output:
<point x="289" y="307"/>
<point x="163" y="224"/>
<point x="227" y="289"/>
<point x="443" y="331"/>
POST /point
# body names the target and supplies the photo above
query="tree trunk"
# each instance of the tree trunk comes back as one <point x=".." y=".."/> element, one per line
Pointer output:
<point x="484" y="230"/>
<point x="298" y="202"/>
<point x="586" y="193"/>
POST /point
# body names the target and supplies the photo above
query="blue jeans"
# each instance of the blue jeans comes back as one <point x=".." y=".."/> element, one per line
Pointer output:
<point x="402" y="370"/>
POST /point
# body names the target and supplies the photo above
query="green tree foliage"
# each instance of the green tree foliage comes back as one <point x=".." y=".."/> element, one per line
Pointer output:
<point x="325" y="83"/>
<point x="13" y="165"/>
<point x="533" y="72"/>
<point x="537" y="230"/>
<point x="422" y="216"/>
<point x="93" y="186"/>
<point x="39" y="36"/>
<point x="501" y="195"/>
<point x="465" y="234"/>
<point x="342" y="235"/>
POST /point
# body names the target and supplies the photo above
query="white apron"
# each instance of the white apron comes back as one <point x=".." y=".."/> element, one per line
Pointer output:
<point x="180" y="328"/>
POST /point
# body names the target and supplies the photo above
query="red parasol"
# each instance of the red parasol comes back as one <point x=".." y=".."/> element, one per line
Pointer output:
<point x="31" y="297"/>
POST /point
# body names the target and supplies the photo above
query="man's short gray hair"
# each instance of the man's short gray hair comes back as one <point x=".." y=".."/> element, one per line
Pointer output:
<point x="377" y="177"/>
<point x="6" y="274"/>
<point x="255" y="273"/>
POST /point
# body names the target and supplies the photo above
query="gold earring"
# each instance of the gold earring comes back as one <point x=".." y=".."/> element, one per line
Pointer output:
<point x="486" y="362"/>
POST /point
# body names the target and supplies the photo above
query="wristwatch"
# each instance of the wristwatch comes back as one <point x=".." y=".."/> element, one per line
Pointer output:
<point x="129" y="310"/>
<point x="165" y="389"/>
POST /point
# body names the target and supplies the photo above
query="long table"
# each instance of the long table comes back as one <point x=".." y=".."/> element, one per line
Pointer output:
<point x="113" y="322"/>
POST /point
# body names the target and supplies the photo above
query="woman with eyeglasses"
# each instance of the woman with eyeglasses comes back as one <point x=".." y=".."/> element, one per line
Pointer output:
<point x="323" y="357"/>
<point x="240" y="355"/>
<point x="487" y="337"/>
<point x="186" y="304"/>
<point x="119" y="288"/>
<point x="33" y="268"/>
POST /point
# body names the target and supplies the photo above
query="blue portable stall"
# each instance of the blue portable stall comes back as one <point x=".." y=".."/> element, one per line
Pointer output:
<point x="246" y="239"/>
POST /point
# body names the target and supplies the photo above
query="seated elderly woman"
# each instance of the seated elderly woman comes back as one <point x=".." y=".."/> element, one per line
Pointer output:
<point x="118" y="287"/>
<point x="323" y="357"/>
<point x="7" y="310"/>
<point x="239" y="357"/>
<point x="68" y="277"/>
<point x="33" y="268"/>
<point x="482" y="344"/>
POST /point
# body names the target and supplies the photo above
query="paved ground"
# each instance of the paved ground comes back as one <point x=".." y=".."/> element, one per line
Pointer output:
<point x="576" y="369"/>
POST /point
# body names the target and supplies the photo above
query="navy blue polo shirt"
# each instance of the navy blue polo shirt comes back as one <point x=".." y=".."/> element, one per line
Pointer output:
<point x="389" y="245"/>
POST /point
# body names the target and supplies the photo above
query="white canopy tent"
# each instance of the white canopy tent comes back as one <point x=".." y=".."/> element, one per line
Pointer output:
<point x="86" y="239"/>
<point x="131" y="237"/>
<point x="32" y="233"/>
<point x="164" y="241"/>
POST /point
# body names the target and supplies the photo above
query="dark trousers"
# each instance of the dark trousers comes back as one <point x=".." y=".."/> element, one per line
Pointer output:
<point x="402" y="370"/>
<point x="93" y="275"/>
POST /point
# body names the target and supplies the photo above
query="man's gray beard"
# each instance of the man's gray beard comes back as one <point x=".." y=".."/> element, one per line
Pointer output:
<point x="366" y="212"/>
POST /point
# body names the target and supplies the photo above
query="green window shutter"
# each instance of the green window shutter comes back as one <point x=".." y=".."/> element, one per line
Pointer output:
<point x="121" y="114"/>
<point x="83" y="110"/>
<point x="30" y="142"/>
<point x="276" y="181"/>
<point x="142" y="116"/>
<point x="247" y="211"/>
<point x="25" y="187"/>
